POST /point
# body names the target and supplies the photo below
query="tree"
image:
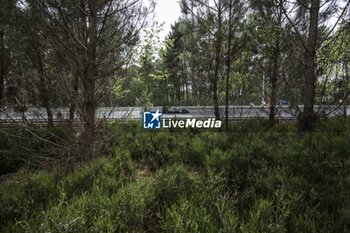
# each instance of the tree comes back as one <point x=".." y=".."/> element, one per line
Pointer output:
<point x="210" y="17"/>
<point x="333" y="57"/>
<point x="6" y="25"/>
<point x="174" y="62"/>
<point x="307" y="22"/>
<point x="235" y="14"/>
<point x="307" y="117"/>
<point x="102" y="34"/>
<point x="37" y="53"/>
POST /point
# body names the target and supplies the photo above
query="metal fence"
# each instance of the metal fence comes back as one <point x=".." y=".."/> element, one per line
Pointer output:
<point x="235" y="113"/>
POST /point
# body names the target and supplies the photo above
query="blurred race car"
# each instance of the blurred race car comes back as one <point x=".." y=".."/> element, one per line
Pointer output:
<point x="174" y="110"/>
<point x="283" y="102"/>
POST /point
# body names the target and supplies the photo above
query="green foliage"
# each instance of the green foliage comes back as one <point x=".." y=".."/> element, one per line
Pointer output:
<point x="33" y="147"/>
<point x="267" y="180"/>
<point x="185" y="217"/>
<point x="28" y="192"/>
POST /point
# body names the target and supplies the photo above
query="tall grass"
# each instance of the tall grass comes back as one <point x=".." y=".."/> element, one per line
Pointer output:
<point x="261" y="180"/>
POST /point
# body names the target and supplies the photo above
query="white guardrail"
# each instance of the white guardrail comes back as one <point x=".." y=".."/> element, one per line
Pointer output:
<point x="123" y="113"/>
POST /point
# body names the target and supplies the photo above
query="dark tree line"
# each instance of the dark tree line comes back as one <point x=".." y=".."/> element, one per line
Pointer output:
<point x="67" y="53"/>
<point x="84" y="54"/>
<point x="241" y="52"/>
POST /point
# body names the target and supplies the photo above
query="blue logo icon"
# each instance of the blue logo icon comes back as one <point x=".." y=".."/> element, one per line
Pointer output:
<point x="151" y="120"/>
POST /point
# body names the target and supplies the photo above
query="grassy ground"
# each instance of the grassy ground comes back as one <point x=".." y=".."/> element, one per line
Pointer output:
<point x="251" y="179"/>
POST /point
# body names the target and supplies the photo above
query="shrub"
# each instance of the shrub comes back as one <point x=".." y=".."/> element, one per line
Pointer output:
<point x="267" y="180"/>
<point x="169" y="185"/>
<point x="26" y="194"/>
<point x="186" y="217"/>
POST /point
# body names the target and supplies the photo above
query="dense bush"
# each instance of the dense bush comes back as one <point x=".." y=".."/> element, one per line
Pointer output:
<point x="34" y="147"/>
<point x="266" y="180"/>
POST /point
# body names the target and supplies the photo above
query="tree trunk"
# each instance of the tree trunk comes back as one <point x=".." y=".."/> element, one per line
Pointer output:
<point x="43" y="89"/>
<point x="218" y="44"/>
<point x="273" y="86"/>
<point x="273" y="83"/>
<point x="307" y="117"/>
<point x="89" y="80"/>
<point x="2" y="88"/>
<point x="2" y="67"/>
<point x="216" y="100"/>
<point x="345" y="99"/>
<point x="73" y="100"/>
<point x="275" y="69"/>
<point x="228" y="64"/>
